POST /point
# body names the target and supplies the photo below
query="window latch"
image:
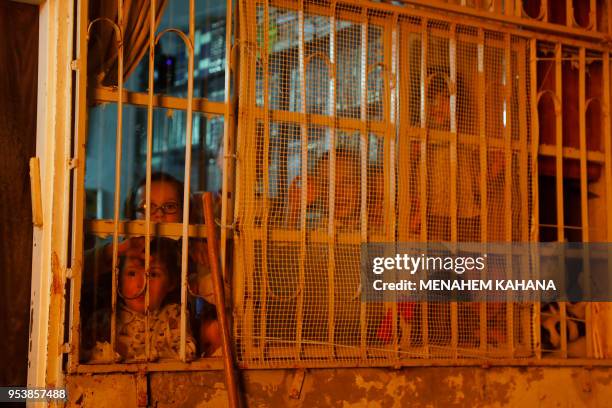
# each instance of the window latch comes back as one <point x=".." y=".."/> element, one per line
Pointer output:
<point x="36" y="193"/>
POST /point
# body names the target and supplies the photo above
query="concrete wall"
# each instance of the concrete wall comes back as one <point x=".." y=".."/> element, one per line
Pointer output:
<point x="414" y="387"/>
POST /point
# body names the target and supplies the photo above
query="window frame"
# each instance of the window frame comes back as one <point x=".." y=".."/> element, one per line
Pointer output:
<point x="227" y="109"/>
<point x="121" y="96"/>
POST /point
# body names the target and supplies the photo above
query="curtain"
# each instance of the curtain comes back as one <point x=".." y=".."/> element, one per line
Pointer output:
<point x="103" y="56"/>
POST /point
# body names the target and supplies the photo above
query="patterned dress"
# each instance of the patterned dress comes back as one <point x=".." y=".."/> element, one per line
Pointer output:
<point x="164" y="336"/>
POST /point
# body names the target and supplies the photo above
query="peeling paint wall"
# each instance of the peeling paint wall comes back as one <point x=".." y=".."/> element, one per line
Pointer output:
<point x="414" y="387"/>
<point x="103" y="391"/>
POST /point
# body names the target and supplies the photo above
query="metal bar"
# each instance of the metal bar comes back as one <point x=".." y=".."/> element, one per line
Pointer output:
<point x="104" y="227"/>
<point x="507" y="135"/>
<point x="584" y="202"/>
<point x="432" y="9"/>
<point x="103" y="94"/>
<point x="216" y="364"/>
<point x="226" y="212"/>
<point x="148" y="170"/>
<point x="363" y="150"/>
<point x="452" y="60"/>
<point x="80" y="129"/>
<point x="423" y="171"/>
<point x="484" y="203"/>
<point x="246" y="178"/>
<point x="490" y="21"/>
<point x="331" y="229"/>
<point x="559" y="183"/>
<point x="265" y="61"/>
<point x="304" y="190"/>
<point x="349" y="124"/>
<point x="518" y="8"/>
<point x="406" y="205"/>
<point x="187" y="179"/>
<point x="509" y="7"/>
<point x="569" y="14"/>
<point x="571" y="153"/>
<point x="524" y="142"/>
<point x="231" y="379"/>
<point x="117" y="195"/>
<point x="523" y="163"/>
<point x="391" y="59"/>
<point x="535" y="141"/>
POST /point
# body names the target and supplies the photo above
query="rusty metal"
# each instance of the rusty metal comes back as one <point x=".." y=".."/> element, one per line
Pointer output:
<point x="231" y="379"/>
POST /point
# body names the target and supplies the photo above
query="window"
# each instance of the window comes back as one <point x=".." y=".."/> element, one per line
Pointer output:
<point x="433" y="124"/>
<point x="151" y="116"/>
<point x="354" y="123"/>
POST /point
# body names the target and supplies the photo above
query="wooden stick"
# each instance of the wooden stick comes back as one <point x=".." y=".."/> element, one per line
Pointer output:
<point x="231" y="381"/>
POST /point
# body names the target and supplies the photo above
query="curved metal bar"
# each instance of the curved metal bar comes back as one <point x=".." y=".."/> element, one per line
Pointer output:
<point x="592" y="100"/>
<point x="540" y="16"/>
<point x="187" y="40"/>
<point x="590" y="25"/>
<point x="182" y="36"/>
<point x="389" y="81"/>
<point x="445" y="77"/>
<point x="118" y="147"/>
<point x="149" y="164"/>
<point x="321" y="55"/>
<point x="116" y="28"/>
<point x="552" y="96"/>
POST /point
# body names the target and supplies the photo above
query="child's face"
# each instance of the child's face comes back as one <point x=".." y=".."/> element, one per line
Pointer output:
<point x="133" y="280"/>
<point x="165" y="201"/>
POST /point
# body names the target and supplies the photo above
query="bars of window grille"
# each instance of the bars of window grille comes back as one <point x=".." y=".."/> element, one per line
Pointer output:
<point x="508" y="159"/>
<point x="79" y="185"/>
<point x="153" y="41"/>
<point x="535" y="142"/>
<point x="308" y="301"/>
<point x="228" y="142"/>
<point x="481" y="89"/>
<point x="118" y="145"/>
<point x="584" y="204"/>
<point x="363" y="165"/>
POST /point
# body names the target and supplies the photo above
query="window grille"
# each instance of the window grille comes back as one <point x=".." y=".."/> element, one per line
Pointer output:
<point x="335" y="93"/>
<point x="166" y="110"/>
<point x="357" y="122"/>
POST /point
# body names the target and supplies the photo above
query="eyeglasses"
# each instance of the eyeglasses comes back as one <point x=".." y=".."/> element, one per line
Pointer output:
<point x="170" y="207"/>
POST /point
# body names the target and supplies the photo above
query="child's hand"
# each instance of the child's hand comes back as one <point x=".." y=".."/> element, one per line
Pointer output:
<point x="132" y="247"/>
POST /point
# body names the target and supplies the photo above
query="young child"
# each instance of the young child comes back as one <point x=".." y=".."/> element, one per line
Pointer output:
<point x="166" y="206"/>
<point x="164" y="317"/>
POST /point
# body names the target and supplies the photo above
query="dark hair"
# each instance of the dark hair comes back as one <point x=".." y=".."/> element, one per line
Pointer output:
<point x="130" y="202"/>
